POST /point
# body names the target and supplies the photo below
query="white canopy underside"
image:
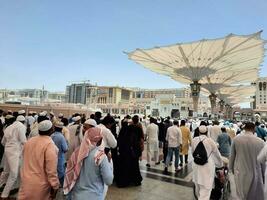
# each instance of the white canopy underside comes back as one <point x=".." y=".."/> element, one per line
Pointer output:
<point x="215" y="61"/>
<point x="249" y="90"/>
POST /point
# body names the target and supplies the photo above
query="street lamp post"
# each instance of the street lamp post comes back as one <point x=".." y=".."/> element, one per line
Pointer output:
<point x="195" y="90"/>
<point x="227" y="108"/>
<point x="212" y="98"/>
<point x="221" y="103"/>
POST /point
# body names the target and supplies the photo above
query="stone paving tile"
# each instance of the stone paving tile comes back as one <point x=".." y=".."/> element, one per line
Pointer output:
<point x="151" y="189"/>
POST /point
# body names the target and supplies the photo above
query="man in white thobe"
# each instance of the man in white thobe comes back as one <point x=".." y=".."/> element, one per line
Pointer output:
<point x="203" y="175"/>
<point x="2" y="118"/>
<point x="262" y="158"/>
<point x="108" y="141"/>
<point x="13" y="140"/>
<point x="30" y="119"/>
<point x="215" y="131"/>
<point x="76" y="136"/>
<point x="152" y="133"/>
<point x="248" y="172"/>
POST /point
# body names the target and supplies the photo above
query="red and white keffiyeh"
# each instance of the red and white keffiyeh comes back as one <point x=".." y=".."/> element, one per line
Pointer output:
<point x="90" y="140"/>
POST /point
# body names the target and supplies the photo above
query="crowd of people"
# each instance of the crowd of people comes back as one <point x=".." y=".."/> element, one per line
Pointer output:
<point x="42" y="152"/>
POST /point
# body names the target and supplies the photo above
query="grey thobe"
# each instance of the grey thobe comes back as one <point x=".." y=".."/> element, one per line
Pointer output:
<point x="248" y="172"/>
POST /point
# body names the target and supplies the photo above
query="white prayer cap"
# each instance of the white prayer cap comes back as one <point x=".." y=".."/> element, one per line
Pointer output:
<point x="20" y="118"/>
<point x="60" y="115"/>
<point x="44" y="113"/>
<point x="51" y="113"/>
<point x="9" y="116"/>
<point x="75" y="119"/>
<point x="9" y="111"/>
<point x="59" y="124"/>
<point x="45" y="125"/>
<point x="30" y="112"/>
<point x="21" y="112"/>
<point x="91" y="122"/>
<point x="203" y="129"/>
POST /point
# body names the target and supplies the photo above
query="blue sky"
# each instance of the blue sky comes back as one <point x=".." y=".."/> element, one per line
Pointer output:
<point x="55" y="42"/>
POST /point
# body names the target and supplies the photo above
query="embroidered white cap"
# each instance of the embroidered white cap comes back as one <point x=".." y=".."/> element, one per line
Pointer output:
<point x="21" y="112"/>
<point x="45" y="125"/>
<point x="91" y="122"/>
<point x="20" y="118"/>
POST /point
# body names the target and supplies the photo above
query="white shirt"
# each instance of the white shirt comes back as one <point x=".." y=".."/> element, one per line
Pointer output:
<point x="14" y="135"/>
<point x="109" y="140"/>
<point x="174" y="136"/>
<point x="2" y="119"/>
<point x="30" y="120"/>
<point x="152" y="132"/>
<point x="215" y="131"/>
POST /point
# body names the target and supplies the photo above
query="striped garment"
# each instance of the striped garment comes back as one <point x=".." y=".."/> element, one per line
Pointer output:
<point x="91" y="138"/>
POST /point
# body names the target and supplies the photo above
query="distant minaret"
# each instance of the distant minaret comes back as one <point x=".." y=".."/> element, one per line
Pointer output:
<point x="42" y="95"/>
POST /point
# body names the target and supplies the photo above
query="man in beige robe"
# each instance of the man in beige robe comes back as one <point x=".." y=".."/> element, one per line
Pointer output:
<point x="39" y="179"/>
<point x="75" y="132"/>
<point x="248" y="172"/>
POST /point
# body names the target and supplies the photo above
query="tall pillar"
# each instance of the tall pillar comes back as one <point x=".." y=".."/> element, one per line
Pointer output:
<point x="195" y="90"/>
<point x="227" y="108"/>
<point x="212" y="98"/>
<point x="230" y="112"/>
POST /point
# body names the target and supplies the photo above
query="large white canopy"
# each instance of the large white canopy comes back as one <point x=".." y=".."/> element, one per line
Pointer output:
<point x="217" y="88"/>
<point x="197" y="61"/>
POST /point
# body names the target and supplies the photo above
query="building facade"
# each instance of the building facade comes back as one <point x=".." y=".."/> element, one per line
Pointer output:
<point x="115" y="100"/>
<point x="260" y="104"/>
<point x="261" y="93"/>
<point x="31" y="96"/>
<point x="77" y="93"/>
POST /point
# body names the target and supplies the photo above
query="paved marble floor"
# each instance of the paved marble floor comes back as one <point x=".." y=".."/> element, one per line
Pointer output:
<point x="151" y="189"/>
<point x="158" y="185"/>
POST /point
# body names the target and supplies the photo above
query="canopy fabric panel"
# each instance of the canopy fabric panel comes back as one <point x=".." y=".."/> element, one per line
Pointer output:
<point x="197" y="60"/>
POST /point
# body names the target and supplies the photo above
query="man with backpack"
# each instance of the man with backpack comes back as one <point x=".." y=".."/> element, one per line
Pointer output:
<point x="206" y="156"/>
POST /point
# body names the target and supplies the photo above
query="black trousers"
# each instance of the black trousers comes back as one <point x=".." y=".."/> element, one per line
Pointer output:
<point x="181" y="159"/>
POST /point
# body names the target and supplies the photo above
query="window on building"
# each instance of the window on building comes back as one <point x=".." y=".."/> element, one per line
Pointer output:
<point x="264" y="85"/>
<point x="260" y="86"/>
<point x="110" y="92"/>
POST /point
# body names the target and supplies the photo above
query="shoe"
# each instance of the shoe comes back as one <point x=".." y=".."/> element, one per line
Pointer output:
<point x="2" y="188"/>
<point x="178" y="169"/>
<point x="181" y="164"/>
<point x="157" y="163"/>
<point x="137" y="184"/>
<point x="14" y="191"/>
<point x="166" y="170"/>
<point x="170" y="164"/>
<point x="148" y="165"/>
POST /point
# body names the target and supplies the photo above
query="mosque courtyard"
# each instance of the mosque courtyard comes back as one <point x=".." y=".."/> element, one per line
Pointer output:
<point x="158" y="185"/>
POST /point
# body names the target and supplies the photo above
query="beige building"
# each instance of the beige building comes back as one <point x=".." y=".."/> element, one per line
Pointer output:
<point x="3" y="95"/>
<point x="261" y="93"/>
<point x="115" y="100"/>
<point x="142" y="98"/>
<point x="260" y="104"/>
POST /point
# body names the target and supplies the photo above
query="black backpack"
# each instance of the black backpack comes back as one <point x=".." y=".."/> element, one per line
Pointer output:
<point x="200" y="154"/>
